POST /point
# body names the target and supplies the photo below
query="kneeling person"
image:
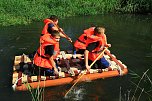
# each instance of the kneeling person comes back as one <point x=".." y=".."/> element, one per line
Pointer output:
<point x="44" y="59"/>
<point x="94" y="49"/>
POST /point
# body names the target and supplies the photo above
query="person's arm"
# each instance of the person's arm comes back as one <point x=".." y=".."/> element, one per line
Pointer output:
<point x="86" y="59"/>
<point x="52" y="27"/>
<point x="105" y="39"/>
<point x="62" y="34"/>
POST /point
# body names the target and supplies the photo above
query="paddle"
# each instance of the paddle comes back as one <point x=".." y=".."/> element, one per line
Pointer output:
<point x="84" y="72"/>
<point x="66" y="36"/>
<point x="63" y="33"/>
<point x="120" y="67"/>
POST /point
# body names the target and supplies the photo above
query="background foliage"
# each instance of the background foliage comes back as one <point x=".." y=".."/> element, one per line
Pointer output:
<point x="14" y="12"/>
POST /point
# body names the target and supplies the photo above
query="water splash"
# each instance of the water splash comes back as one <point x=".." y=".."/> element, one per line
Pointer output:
<point x="77" y="94"/>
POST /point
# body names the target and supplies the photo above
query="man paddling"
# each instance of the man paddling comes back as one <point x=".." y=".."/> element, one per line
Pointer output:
<point x="94" y="48"/>
<point x="51" y="24"/>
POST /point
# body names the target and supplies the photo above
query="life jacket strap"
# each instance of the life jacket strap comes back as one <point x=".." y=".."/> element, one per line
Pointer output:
<point x="96" y="52"/>
<point x="81" y="41"/>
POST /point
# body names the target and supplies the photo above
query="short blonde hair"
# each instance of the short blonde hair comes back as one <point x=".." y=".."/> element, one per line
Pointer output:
<point x="99" y="30"/>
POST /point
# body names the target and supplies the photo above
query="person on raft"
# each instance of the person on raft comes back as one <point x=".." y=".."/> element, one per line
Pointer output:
<point x="44" y="59"/>
<point x="51" y="24"/>
<point x="87" y="37"/>
<point x="94" y="46"/>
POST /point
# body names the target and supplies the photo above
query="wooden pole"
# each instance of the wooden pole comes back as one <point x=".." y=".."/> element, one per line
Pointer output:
<point x="84" y="72"/>
<point x="63" y="33"/>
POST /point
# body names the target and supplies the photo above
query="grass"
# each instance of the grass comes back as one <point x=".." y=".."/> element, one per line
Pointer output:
<point x="37" y="94"/>
<point x="143" y="88"/>
<point x="15" y="12"/>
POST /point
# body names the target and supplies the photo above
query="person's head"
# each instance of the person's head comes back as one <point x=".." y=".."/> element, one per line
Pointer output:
<point x="54" y="18"/>
<point x="56" y="35"/>
<point x="99" y="30"/>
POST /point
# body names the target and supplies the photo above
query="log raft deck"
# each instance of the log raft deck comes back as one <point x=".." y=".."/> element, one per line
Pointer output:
<point x="21" y="81"/>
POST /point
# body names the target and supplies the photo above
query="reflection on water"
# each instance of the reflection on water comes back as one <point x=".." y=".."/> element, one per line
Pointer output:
<point x="130" y="36"/>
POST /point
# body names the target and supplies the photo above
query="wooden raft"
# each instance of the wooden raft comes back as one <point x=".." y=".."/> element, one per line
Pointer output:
<point x="118" y="68"/>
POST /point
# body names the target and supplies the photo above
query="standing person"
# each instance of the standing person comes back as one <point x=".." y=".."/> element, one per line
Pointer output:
<point x="51" y="24"/>
<point x="44" y="59"/>
<point x="94" y="48"/>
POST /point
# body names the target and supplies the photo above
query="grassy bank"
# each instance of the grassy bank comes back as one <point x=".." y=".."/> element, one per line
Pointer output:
<point x="13" y="12"/>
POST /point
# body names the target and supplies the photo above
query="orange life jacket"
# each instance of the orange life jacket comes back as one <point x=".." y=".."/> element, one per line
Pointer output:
<point x="96" y="52"/>
<point x="41" y="59"/>
<point x="81" y="42"/>
<point x="46" y="22"/>
<point x="86" y="38"/>
<point x="47" y="38"/>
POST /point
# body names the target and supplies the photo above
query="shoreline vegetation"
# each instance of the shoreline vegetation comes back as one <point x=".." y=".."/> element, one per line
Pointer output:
<point x="17" y="12"/>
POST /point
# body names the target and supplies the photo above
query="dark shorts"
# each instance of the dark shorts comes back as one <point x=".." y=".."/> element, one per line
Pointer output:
<point x="80" y="51"/>
<point x="44" y="71"/>
<point x="100" y="64"/>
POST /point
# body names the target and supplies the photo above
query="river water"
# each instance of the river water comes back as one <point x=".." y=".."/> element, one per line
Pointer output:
<point x="131" y="39"/>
